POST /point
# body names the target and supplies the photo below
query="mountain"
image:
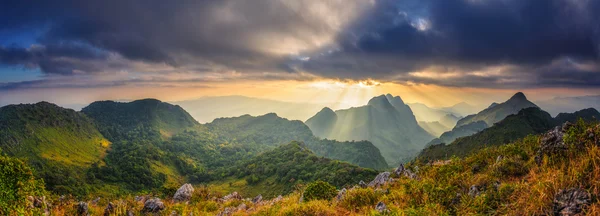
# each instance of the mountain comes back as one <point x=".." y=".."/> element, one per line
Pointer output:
<point x="51" y="138"/>
<point x="424" y="113"/>
<point x="148" y="118"/>
<point x="385" y="121"/>
<point x="323" y="122"/>
<point x="209" y="108"/>
<point x="279" y="170"/>
<point x="569" y="104"/>
<point x="486" y="118"/>
<point x="449" y="120"/>
<point x="498" y="112"/>
<point x="589" y="114"/>
<point x="461" y="109"/>
<point x="268" y="131"/>
<point x="528" y="121"/>
<point x="434" y="128"/>
<point x="459" y="131"/>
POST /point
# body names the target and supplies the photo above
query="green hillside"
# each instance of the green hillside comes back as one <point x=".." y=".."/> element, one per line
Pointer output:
<point x="486" y="118"/>
<point x="261" y="133"/>
<point x="141" y="119"/>
<point x="57" y="142"/>
<point x="386" y="121"/>
<point x="528" y="121"/>
<point x="279" y="170"/>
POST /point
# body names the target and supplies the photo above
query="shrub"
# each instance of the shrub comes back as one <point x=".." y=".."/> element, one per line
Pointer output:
<point x="319" y="190"/>
<point x="509" y="167"/>
<point x="16" y="184"/>
<point x="359" y="197"/>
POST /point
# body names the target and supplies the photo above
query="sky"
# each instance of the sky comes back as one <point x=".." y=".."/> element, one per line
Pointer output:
<point x="437" y="52"/>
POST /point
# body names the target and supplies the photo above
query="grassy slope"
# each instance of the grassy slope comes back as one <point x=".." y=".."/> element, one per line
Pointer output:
<point x="525" y="188"/>
<point x="46" y="131"/>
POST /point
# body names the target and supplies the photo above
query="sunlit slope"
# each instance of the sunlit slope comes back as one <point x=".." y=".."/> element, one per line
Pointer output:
<point x="46" y="131"/>
<point x="268" y="131"/>
<point x="528" y="121"/>
<point x="385" y="121"/>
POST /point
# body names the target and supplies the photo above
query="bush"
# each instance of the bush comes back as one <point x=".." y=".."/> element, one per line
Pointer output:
<point x="358" y="198"/>
<point x="16" y="184"/>
<point x="509" y="167"/>
<point x="319" y="190"/>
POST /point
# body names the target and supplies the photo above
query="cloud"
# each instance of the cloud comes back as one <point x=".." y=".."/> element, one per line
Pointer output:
<point x="463" y="43"/>
<point x="466" y="36"/>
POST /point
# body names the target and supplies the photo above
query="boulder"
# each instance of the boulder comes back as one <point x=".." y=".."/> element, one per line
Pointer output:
<point x="227" y="211"/>
<point x="552" y="143"/>
<point x="341" y="194"/>
<point x="82" y="208"/>
<point x="184" y="193"/>
<point x="232" y="196"/>
<point x="456" y="199"/>
<point x="401" y="170"/>
<point x="362" y="184"/>
<point x="153" y="205"/>
<point x="242" y="207"/>
<point x="380" y="179"/>
<point x="475" y="190"/>
<point x="571" y="201"/>
<point x="95" y="201"/>
<point x="257" y="199"/>
<point x="381" y="208"/>
<point x="110" y="209"/>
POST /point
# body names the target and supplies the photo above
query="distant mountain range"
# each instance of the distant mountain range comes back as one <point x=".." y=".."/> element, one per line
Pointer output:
<point x="385" y="121"/>
<point x="429" y="114"/>
<point x="528" y="121"/>
<point x="569" y="104"/>
<point x="209" y="108"/>
<point x="472" y="124"/>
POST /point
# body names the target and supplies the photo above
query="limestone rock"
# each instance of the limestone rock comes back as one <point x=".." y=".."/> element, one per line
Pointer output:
<point x="362" y="184"/>
<point x="571" y="201"/>
<point x="110" y="209"/>
<point x="184" y="193"/>
<point x="380" y="179"/>
<point x="153" y="205"/>
<point x="552" y="142"/>
<point x="381" y="207"/>
<point x="257" y="199"/>
<point x="82" y="208"/>
<point x="341" y="194"/>
<point x="234" y="195"/>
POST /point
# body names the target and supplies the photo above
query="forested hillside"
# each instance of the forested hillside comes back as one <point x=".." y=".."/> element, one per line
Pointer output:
<point x="528" y="121"/>
<point x="58" y="143"/>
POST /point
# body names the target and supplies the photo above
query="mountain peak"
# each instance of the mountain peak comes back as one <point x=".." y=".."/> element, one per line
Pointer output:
<point x="381" y="99"/>
<point x="394" y="100"/>
<point x="518" y="96"/>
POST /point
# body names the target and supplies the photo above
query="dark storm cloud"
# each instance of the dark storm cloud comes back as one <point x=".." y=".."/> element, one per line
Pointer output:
<point x="388" y="40"/>
<point x="62" y="58"/>
<point x="242" y="35"/>
<point x="408" y="36"/>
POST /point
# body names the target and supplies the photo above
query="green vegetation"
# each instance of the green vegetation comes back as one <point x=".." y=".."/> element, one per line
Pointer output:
<point x="294" y="164"/>
<point x="17" y="183"/>
<point x="385" y="121"/>
<point x="58" y="143"/>
<point x="528" y="121"/>
<point x="472" y="124"/>
<point x="261" y="133"/>
<point x="319" y="190"/>
<point x="493" y="179"/>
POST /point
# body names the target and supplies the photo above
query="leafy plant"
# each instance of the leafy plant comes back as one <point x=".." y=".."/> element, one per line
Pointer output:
<point x="319" y="190"/>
